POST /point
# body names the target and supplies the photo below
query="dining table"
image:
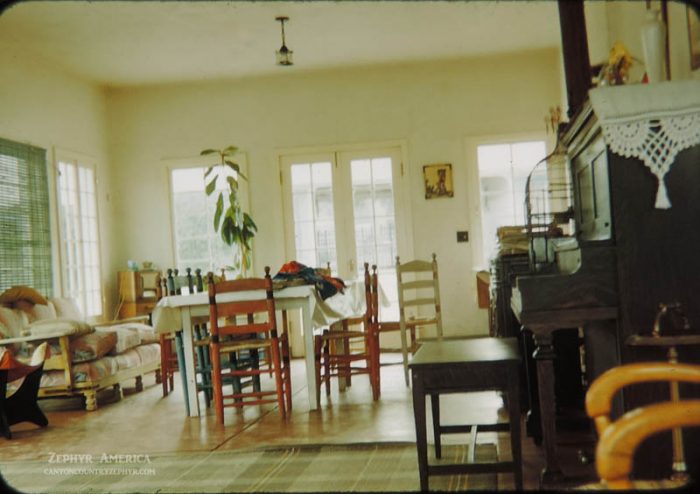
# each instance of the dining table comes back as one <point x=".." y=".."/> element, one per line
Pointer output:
<point x="174" y="313"/>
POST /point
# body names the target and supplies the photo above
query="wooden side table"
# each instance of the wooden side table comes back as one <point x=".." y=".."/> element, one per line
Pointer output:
<point x="465" y="366"/>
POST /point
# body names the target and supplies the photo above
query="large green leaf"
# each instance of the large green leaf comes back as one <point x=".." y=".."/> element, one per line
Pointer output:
<point x="232" y="183"/>
<point x="229" y="150"/>
<point x="209" y="151"/>
<point x="211" y="186"/>
<point x="209" y="170"/>
<point x="219" y="211"/>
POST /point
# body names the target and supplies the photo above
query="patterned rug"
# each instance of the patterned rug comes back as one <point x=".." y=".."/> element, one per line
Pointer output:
<point x="367" y="467"/>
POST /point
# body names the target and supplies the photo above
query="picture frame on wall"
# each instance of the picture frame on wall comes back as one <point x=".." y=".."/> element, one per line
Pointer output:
<point x="438" y="180"/>
<point x="694" y="36"/>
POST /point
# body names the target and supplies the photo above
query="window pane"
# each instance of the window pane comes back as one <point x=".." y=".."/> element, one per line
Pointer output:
<point x="503" y="172"/>
<point x="312" y="204"/>
<point x="197" y="244"/>
<point x="79" y="236"/>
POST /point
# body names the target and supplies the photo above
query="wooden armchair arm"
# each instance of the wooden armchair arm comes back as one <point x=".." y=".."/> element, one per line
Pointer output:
<point x="600" y="394"/>
<point x="616" y="446"/>
<point x="142" y="319"/>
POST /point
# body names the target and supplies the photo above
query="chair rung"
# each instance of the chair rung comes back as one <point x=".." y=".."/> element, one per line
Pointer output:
<point x="419" y="301"/>
<point x="412" y="285"/>
<point x="226" y="346"/>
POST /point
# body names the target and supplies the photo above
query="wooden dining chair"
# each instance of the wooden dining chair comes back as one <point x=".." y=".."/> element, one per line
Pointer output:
<point x="619" y="439"/>
<point x="20" y="404"/>
<point x="419" y="305"/>
<point x="334" y="353"/>
<point x="246" y="325"/>
<point x="172" y="283"/>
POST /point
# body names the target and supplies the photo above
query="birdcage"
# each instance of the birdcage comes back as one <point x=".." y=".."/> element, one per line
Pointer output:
<point x="548" y="207"/>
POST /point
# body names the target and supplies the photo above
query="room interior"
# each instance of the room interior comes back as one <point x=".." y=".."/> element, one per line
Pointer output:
<point x="138" y="89"/>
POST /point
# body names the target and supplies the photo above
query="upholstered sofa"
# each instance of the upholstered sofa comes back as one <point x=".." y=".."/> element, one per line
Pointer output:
<point x="85" y="358"/>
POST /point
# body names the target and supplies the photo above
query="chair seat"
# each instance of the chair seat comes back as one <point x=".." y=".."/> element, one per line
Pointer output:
<point x="341" y="335"/>
<point x="248" y="344"/>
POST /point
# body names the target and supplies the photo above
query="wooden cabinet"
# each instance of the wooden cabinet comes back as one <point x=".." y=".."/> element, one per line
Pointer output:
<point x="139" y="292"/>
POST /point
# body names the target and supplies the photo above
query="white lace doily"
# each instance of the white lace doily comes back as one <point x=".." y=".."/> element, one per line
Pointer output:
<point x="652" y="123"/>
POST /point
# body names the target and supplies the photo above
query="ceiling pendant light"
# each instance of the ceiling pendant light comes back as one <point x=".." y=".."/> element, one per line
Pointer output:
<point x="284" y="54"/>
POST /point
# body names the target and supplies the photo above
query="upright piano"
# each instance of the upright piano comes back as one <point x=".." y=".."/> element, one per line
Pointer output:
<point x="624" y="257"/>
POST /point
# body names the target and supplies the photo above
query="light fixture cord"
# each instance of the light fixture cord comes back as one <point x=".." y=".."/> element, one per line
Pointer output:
<point x="283" y="41"/>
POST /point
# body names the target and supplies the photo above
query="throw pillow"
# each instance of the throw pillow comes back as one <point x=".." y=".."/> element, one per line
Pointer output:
<point x="66" y="307"/>
<point x="11" y="295"/>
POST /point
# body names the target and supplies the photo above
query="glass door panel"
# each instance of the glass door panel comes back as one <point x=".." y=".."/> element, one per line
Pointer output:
<point x="312" y="208"/>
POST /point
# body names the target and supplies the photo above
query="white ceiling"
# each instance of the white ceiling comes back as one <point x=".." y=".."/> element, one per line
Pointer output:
<point x="143" y="42"/>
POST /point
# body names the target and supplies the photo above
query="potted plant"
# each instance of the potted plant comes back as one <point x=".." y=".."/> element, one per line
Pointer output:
<point x="235" y="226"/>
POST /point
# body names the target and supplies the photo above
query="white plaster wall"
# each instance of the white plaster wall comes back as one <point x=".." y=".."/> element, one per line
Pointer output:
<point x="431" y="107"/>
<point x="44" y="107"/>
<point x="625" y="20"/>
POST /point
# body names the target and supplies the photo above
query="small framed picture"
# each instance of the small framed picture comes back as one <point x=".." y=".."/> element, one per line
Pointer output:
<point x="694" y="36"/>
<point x="438" y="180"/>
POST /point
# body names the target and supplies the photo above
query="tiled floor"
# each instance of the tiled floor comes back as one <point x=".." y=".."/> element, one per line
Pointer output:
<point x="148" y="423"/>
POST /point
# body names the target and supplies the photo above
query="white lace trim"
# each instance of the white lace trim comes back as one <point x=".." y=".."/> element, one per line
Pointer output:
<point x="650" y="122"/>
<point x="656" y="140"/>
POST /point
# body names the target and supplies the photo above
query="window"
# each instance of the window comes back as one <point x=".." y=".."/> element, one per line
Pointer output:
<point x="80" y="242"/>
<point x="25" y="241"/>
<point x="197" y="245"/>
<point x="503" y="171"/>
<point x="343" y="207"/>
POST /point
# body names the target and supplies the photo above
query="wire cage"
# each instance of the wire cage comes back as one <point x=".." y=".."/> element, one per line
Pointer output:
<point x="548" y="207"/>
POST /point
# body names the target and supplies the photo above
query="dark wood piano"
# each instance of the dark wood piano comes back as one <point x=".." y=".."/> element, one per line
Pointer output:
<point x="625" y="258"/>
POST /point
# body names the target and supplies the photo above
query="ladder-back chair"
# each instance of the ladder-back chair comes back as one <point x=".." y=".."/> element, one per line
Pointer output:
<point x="245" y="325"/>
<point x="334" y="355"/>
<point x="419" y="304"/>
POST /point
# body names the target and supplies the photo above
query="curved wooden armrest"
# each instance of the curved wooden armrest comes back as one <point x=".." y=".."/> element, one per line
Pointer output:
<point x="600" y="394"/>
<point x="616" y="447"/>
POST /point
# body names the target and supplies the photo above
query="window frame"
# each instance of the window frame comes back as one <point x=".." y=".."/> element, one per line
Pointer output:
<point x="204" y="162"/>
<point x="84" y="161"/>
<point x="472" y="143"/>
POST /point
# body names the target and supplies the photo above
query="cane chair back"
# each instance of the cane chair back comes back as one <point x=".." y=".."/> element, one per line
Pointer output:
<point x="244" y="325"/>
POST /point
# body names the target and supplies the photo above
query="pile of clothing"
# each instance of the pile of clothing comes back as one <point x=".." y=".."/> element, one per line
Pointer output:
<point x="295" y="273"/>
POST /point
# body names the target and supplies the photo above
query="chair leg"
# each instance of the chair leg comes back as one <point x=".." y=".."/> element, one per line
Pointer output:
<point x="404" y="351"/>
<point x="275" y="356"/>
<point x="216" y="383"/>
<point x="327" y="365"/>
<point x="164" y="363"/>
<point x="318" y="343"/>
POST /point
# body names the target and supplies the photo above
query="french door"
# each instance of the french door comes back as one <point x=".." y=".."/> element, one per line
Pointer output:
<point x="347" y="208"/>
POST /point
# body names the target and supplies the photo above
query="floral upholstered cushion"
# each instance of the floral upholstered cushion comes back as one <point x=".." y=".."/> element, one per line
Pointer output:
<point x="126" y="338"/>
<point x="92" y="346"/>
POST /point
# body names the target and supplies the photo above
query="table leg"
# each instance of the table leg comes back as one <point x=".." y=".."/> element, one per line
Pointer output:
<point x="309" y="353"/>
<point x="190" y="371"/>
<point x="421" y="429"/>
<point x="544" y="356"/>
<point x="515" y="433"/>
